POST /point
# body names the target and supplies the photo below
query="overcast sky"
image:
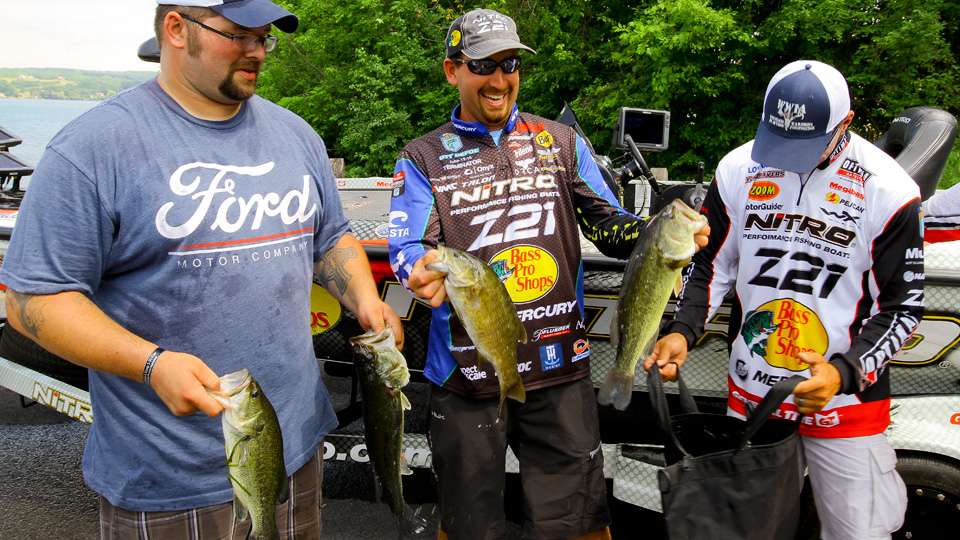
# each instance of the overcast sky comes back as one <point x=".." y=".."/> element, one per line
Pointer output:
<point x="100" y="35"/>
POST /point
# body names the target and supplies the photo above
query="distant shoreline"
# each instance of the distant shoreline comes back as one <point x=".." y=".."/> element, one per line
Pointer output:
<point x="7" y="98"/>
<point x="67" y="84"/>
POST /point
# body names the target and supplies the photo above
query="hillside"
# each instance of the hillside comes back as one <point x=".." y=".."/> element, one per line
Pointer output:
<point x="59" y="83"/>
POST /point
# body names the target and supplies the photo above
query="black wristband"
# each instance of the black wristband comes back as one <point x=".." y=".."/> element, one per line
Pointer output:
<point x="151" y="361"/>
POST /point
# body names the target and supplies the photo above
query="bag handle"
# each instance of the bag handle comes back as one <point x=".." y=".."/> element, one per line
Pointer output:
<point x="771" y="402"/>
<point x="658" y="401"/>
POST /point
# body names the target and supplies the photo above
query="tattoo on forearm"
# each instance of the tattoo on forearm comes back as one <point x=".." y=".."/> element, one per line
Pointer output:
<point x="332" y="269"/>
<point x="30" y="316"/>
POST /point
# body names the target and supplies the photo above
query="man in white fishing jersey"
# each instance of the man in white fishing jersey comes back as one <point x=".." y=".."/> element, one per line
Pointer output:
<point x="818" y="231"/>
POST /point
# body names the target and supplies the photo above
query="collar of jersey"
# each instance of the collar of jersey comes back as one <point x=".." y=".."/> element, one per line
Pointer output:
<point x="477" y="129"/>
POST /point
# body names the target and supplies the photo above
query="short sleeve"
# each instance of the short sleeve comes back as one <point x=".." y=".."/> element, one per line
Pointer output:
<point x="333" y="223"/>
<point x="62" y="233"/>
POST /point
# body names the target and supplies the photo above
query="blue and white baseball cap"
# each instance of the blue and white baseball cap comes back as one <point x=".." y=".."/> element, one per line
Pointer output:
<point x="805" y="101"/>
<point x="246" y="13"/>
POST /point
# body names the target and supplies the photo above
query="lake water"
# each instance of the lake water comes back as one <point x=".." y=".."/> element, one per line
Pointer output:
<point x="36" y="121"/>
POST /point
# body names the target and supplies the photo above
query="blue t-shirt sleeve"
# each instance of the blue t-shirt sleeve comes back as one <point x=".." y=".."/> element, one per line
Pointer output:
<point x="333" y="223"/>
<point x="62" y="234"/>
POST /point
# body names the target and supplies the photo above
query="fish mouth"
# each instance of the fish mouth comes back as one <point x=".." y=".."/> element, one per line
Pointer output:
<point x="373" y="338"/>
<point x="231" y="384"/>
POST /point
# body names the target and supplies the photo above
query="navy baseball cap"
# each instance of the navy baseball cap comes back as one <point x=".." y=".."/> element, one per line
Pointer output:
<point x="481" y="33"/>
<point x="246" y="13"/>
<point x="805" y="101"/>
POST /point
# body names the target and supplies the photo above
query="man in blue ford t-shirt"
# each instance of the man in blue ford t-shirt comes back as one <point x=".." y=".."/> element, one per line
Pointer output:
<point x="170" y="235"/>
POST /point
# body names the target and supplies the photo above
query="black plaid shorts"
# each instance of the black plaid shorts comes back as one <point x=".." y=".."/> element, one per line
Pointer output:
<point x="298" y="518"/>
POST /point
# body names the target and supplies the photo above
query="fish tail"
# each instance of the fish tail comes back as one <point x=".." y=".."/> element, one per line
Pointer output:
<point x="411" y="524"/>
<point x="516" y="391"/>
<point x="616" y="390"/>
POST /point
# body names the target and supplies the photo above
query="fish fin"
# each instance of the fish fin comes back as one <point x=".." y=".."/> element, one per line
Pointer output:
<point x="405" y="469"/>
<point x="517" y="392"/>
<point x="616" y="390"/>
<point x="404" y="402"/>
<point x="284" y="490"/>
<point x="678" y="286"/>
<point x="239" y="511"/>
<point x="238" y="454"/>
<point x="521" y="333"/>
<point x="615" y="329"/>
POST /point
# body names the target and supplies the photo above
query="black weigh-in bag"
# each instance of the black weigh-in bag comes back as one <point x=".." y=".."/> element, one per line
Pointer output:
<point x="729" y="479"/>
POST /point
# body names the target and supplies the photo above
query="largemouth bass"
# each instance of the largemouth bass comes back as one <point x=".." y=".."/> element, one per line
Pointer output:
<point x="383" y="373"/>
<point x="655" y="264"/>
<point x="488" y="315"/>
<point x="254" y="449"/>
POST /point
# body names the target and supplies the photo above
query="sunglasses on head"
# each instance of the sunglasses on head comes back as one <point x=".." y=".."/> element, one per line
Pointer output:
<point x="486" y="66"/>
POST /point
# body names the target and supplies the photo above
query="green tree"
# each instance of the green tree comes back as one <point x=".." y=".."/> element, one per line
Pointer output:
<point x="366" y="74"/>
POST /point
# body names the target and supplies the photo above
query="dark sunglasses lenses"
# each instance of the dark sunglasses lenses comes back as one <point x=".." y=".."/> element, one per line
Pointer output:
<point x="486" y="66"/>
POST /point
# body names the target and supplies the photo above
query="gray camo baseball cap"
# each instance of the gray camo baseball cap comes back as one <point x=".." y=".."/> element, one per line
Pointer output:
<point x="481" y="33"/>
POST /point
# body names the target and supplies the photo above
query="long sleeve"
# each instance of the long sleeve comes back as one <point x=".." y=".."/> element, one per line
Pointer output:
<point x="414" y="224"/>
<point x="897" y="270"/>
<point x="601" y="218"/>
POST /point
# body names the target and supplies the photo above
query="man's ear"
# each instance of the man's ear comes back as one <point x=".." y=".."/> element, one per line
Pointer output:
<point x="450" y="70"/>
<point x="175" y="30"/>
<point x="849" y="119"/>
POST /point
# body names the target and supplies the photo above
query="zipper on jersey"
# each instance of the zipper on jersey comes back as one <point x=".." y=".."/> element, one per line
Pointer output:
<point x="803" y="184"/>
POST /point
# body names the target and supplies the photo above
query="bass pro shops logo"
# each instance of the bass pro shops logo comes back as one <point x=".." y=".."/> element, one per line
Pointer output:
<point x="780" y="330"/>
<point x="763" y="190"/>
<point x="528" y="272"/>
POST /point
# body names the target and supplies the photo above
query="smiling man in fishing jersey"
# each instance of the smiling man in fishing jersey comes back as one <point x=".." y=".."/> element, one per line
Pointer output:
<point x="512" y="189"/>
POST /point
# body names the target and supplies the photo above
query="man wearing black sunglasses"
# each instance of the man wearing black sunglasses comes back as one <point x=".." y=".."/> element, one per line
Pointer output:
<point x="170" y="236"/>
<point x="512" y="189"/>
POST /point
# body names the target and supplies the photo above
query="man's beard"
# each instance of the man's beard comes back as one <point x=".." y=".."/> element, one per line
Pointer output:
<point x="231" y="89"/>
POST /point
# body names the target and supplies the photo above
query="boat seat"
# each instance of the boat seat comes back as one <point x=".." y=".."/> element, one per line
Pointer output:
<point x="920" y="139"/>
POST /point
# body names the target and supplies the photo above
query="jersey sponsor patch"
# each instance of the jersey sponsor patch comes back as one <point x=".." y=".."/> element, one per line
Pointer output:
<point x="847" y="190"/>
<point x="581" y="350"/>
<point x="451" y="142"/>
<point x="842" y="215"/>
<point x="551" y="357"/>
<point x="763" y="190"/>
<point x="851" y="169"/>
<point x="528" y="272"/>
<point x="544" y="139"/>
<point x="779" y="330"/>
